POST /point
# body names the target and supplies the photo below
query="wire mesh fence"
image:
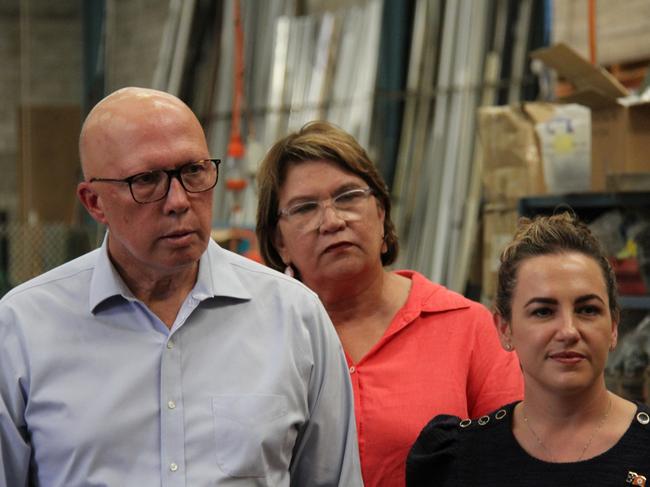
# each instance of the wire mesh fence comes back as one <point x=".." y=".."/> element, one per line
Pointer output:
<point x="27" y="250"/>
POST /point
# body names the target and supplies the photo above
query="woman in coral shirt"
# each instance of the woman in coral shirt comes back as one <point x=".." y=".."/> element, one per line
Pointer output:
<point x="414" y="348"/>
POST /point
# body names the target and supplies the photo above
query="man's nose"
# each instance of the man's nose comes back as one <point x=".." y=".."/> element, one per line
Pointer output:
<point x="177" y="197"/>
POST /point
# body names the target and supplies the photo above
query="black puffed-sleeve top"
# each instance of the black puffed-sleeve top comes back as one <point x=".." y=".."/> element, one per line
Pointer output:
<point x="483" y="452"/>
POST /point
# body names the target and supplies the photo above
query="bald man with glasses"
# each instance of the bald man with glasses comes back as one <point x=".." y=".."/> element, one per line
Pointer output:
<point x="160" y="358"/>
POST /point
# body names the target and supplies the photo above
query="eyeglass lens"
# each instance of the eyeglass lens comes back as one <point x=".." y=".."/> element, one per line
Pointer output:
<point x="348" y="206"/>
<point x="194" y="177"/>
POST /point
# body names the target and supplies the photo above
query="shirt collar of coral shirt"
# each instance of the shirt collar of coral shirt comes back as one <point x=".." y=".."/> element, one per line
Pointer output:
<point x="426" y="298"/>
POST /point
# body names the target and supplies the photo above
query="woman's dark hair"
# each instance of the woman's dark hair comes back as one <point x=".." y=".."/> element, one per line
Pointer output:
<point x="545" y="235"/>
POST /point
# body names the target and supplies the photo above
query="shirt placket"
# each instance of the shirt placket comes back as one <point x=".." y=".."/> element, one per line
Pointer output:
<point x="171" y="415"/>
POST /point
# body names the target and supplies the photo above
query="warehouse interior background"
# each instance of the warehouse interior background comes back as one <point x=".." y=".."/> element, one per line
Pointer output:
<point x="467" y="107"/>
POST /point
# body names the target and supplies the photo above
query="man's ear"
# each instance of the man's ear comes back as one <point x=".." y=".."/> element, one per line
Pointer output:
<point x="91" y="201"/>
<point x="504" y="330"/>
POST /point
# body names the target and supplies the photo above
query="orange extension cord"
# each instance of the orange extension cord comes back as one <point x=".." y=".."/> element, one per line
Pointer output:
<point x="592" y="31"/>
<point x="236" y="180"/>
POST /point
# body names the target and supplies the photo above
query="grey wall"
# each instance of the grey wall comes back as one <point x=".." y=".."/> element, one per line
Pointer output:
<point x="40" y="49"/>
<point x="41" y="54"/>
<point x="134" y="33"/>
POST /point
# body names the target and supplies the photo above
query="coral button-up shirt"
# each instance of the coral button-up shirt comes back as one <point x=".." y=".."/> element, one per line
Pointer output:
<point x="440" y="354"/>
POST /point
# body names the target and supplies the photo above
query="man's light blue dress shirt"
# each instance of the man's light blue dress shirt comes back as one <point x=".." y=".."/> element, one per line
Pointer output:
<point x="248" y="388"/>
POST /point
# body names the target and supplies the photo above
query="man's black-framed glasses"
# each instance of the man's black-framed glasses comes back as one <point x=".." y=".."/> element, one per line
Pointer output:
<point x="152" y="186"/>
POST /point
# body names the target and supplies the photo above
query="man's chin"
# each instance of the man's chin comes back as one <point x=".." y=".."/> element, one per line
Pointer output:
<point x="181" y="256"/>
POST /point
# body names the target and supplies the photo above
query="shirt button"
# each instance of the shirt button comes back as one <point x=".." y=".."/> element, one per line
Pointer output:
<point x="171" y="405"/>
<point x="170" y="344"/>
<point x="352" y="369"/>
<point x="173" y="467"/>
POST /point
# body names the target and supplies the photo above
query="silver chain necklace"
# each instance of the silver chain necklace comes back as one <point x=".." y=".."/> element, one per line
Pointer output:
<point x="587" y="445"/>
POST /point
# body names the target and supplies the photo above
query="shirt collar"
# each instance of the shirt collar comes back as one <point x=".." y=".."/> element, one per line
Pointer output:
<point x="217" y="272"/>
<point x="217" y="277"/>
<point x="106" y="281"/>
<point x="430" y="297"/>
<point x="424" y="297"/>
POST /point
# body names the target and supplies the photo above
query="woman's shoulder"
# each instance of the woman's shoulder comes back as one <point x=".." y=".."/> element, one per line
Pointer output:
<point x="448" y="442"/>
<point x="640" y="424"/>
<point x="643" y="409"/>
<point x="444" y="427"/>
<point x="435" y="453"/>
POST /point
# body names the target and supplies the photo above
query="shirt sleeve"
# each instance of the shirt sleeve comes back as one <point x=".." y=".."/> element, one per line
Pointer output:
<point x="15" y="449"/>
<point x="326" y="450"/>
<point x="430" y="463"/>
<point x="495" y="376"/>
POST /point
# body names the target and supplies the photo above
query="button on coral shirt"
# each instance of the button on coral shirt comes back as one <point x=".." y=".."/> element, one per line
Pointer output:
<point x="440" y="354"/>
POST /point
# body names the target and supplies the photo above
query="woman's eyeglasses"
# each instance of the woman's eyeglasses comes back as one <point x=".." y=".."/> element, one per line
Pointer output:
<point x="348" y="205"/>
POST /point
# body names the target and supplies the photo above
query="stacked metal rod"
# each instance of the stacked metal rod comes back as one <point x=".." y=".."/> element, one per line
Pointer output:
<point x="437" y="188"/>
<point x="318" y="66"/>
<point x="324" y="66"/>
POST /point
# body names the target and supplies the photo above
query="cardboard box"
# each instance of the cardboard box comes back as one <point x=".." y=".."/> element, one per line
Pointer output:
<point x="48" y="163"/>
<point x="620" y="132"/>
<point x="623" y="29"/>
<point x="533" y="149"/>
<point x="512" y="165"/>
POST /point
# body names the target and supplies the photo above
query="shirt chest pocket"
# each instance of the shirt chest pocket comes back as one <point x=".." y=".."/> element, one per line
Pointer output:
<point x="251" y="432"/>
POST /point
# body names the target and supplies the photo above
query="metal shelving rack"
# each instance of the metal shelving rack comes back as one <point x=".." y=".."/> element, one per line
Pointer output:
<point x="588" y="206"/>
